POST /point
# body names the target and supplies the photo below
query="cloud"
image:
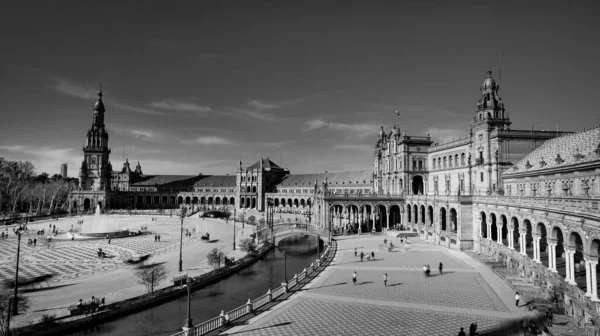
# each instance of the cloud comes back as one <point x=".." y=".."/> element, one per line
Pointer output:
<point x="181" y="106"/>
<point x="146" y="135"/>
<point x="208" y="140"/>
<point x="137" y="109"/>
<point x="260" y="105"/>
<point x="358" y="130"/>
<point x="362" y="148"/>
<point x="250" y="114"/>
<point x="71" y="89"/>
<point x="187" y="168"/>
<point x="442" y="135"/>
<point x="44" y="158"/>
<point x="277" y="144"/>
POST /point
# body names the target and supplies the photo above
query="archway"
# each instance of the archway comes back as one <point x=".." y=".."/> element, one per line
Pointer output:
<point x="430" y="211"/>
<point x="453" y="220"/>
<point x="180" y="200"/>
<point x="494" y="233"/>
<point x="253" y="203"/>
<point x="366" y="214"/>
<point x="156" y="200"/>
<point x="188" y="200"/>
<point x="247" y="202"/>
<point x="417" y="185"/>
<point x="422" y="214"/>
<point x="483" y="225"/>
<point x="541" y="231"/>
<point x="416" y="212"/>
<point x="559" y="250"/>
<point x="210" y="201"/>
<point x="172" y="200"/>
<point x="443" y="219"/>
<point x="504" y="230"/>
<point x="254" y="189"/>
<point x="195" y="200"/>
<point x="409" y="213"/>
<point x="576" y="242"/>
<point x="295" y="203"/>
<point x="395" y="216"/>
<point x="87" y="204"/>
<point x="528" y="238"/>
<point x="353" y="218"/>
<point x="148" y="200"/>
<point x="380" y="218"/>
<point x="164" y="200"/>
<point x="217" y="200"/>
<point x="515" y="237"/>
<point x="277" y="202"/>
<point x="231" y="200"/>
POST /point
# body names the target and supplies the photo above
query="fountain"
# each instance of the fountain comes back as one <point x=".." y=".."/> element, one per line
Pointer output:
<point x="101" y="227"/>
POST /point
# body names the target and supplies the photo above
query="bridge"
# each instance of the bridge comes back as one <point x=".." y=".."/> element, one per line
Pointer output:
<point x="282" y="231"/>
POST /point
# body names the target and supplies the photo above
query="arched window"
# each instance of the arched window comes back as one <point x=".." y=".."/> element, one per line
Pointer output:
<point x="450" y="161"/>
<point x="433" y="163"/>
<point x="445" y="162"/>
<point x="462" y="159"/>
<point x="456" y="160"/>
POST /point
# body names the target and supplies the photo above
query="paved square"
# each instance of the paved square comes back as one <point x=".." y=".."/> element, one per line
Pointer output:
<point x="413" y="259"/>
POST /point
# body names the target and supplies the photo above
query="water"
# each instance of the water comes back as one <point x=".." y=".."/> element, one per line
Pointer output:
<point x="226" y="294"/>
<point x="99" y="224"/>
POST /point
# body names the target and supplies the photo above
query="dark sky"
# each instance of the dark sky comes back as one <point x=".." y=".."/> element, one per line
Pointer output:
<point x="192" y="87"/>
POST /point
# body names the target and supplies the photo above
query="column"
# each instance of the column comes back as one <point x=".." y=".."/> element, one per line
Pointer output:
<point x="499" y="235"/>
<point x="388" y="220"/>
<point x="571" y="267"/>
<point x="593" y="263"/>
<point x="552" y="255"/>
<point x="510" y="238"/>
<point x="522" y="242"/>
<point x="588" y="277"/>
<point x="489" y="230"/>
<point x="536" y="249"/>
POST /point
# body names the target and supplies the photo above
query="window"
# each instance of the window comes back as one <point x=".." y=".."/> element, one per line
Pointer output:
<point x="420" y="164"/>
<point x="433" y="163"/>
<point x="481" y="176"/>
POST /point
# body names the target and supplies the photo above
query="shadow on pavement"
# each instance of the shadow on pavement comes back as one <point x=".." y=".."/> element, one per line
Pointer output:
<point x="337" y="284"/>
<point x="41" y="289"/>
<point x="267" y="327"/>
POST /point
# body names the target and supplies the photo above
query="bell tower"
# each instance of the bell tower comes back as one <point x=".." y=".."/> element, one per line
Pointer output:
<point x="95" y="172"/>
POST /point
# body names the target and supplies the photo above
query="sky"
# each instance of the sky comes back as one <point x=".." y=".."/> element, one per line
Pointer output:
<point x="194" y="87"/>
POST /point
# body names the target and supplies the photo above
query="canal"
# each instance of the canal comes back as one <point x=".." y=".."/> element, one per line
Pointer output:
<point x="229" y="293"/>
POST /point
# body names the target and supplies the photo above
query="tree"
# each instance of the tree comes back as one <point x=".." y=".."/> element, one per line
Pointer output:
<point x="5" y="301"/>
<point x="262" y="230"/>
<point x="247" y="245"/>
<point x="215" y="258"/>
<point x="151" y="276"/>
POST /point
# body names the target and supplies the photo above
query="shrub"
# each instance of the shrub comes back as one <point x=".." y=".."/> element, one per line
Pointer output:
<point x="247" y="245"/>
<point x="48" y="319"/>
<point x="215" y="258"/>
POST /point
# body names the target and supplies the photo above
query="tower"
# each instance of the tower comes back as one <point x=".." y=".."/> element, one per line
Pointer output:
<point x="95" y="171"/>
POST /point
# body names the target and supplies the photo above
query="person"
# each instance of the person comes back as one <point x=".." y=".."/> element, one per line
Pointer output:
<point x="354" y="277"/>
<point x="462" y="332"/>
<point x="355" y="252"/>
<point x="517" y="298"/>
<point x="549" y="317"/>
<point x="155" y="238"/>
<point x="555" y="301"/>
<point x="109" y="239"/>
<point x="425" y="270"/>
<point x="441" y="267"/>
<point x="372" y="255"/>
<point x="428" y="270"/>
<point x="34" y="241"/>
<point x="80" y="303"/>
<point x="159" y="238"/>
<point x="385" y="279"/>
<point x="472" y="329"/>
<point x="362" y="255"/>
<point x="401" y="240"/>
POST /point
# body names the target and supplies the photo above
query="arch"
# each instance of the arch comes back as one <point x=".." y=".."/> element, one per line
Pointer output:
<point x="188" y="200"/>
<point x="276" y="202"/>
<point x="195" y="200"/>
<point x="416" y="213"/>
<point x="254" y="189"/>
<point x="353" y="217"/>
<point x="494" y="233"/>
<point x="308" y="202"/>
<point x="148" y="199"/>
<point x="295" y="202"/>
<point x="202" y="200"/>
<point x="87" y="204"/>
<point x="430" y="214"/>
<point x="282" y="203"/>
<point x="180" y="200"/>
<point x="172" y="200"/>
<point x="528" y="229"/>
<point x="417" y="185"/>
<point x="453" y="220"/>
<point x="422" y="214"/>
<point x="302" y="203"/>
<point x="443" y="225"/>
<point x="156" y="200"/>
<point x="381" y="218"/>
<point x="409" y="213"/>
<point x="248" y="189"/>
<point x="231" y="200"/>
<point x="483" y="225"/>
<point x="395" y="216"/>
<point x="225" y="201"/>
<point x="289" y="202"/>
<point x="247" y="202"/>
<point x="504" y="229"/>
<point x="210" y="200"/>
<point x="576" y="242"/>
<point x="217" y="200"/>
<point x="164" y="200"/>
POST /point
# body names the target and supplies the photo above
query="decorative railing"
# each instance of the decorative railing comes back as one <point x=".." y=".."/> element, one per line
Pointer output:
<point x="224" y="319"/>
<point x="581" y="206"/>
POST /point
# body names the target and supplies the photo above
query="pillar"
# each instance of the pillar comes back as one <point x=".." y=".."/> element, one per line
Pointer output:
<point x="489" y="230"/>
<point x="552" y="255"/>
<point x="522" y="243"/>
<point x="536" y="249"/>
<point x="570" y="266"/>
<point x="593" y="264"/>
<point x="388" y="219"/>
<point x="499" y="234"/>
<point x="588" y="276"/>
<point x="510" y="238"/>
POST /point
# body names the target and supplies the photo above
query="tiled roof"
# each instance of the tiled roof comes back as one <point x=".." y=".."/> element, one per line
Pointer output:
<point x="266" y="164"/>
<point x="166" y="180"/>
<point x="563" y="151"/>
<point x="362" y="178"/>
<point x="216" y="180"/>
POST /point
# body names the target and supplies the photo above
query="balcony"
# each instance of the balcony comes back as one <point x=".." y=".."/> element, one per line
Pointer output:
<point x="581" y="207"/>
<point x="479" y="161"/>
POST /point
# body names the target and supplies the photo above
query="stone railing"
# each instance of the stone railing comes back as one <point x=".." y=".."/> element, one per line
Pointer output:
<point x="226" y="318"/>
<point x="590" y="207"/>
<point x="584" y="312"/>
<point x="438" y="198"/>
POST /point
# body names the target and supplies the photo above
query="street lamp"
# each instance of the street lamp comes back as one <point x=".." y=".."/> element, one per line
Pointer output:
<point x="234" y="229"/>
<point x="285" y="265"/>
<point x="188" y="321"/>
<point x="182" y="215"/>
<point x="17" y="231"/>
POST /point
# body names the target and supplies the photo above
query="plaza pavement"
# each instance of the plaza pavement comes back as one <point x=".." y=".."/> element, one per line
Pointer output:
<point x="411" y="304"/>
<point x="80" y="274"/>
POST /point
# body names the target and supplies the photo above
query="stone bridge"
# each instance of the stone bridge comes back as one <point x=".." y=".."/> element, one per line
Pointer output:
<point x="283" y="231"/>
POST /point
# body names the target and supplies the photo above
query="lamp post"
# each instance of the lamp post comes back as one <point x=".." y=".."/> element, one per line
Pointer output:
<point x="234" y="230"/>
<point x="188" y="321"/>
<point x="17" y="231"/>
<point x="182" y="215"/>
<point x="285" y="265"/>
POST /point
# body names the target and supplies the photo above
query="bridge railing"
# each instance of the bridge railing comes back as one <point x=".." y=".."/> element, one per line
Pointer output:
<point x="224" y="319"/>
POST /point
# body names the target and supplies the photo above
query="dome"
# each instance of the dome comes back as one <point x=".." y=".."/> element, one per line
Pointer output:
<point x="99" y="106"/>
<point x="489" y="81"/>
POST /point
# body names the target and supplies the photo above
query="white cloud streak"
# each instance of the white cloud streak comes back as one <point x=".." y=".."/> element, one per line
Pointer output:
<point x="208" y="140"/>
<point x="357" y="130"/>
<point x="181" y="106"/>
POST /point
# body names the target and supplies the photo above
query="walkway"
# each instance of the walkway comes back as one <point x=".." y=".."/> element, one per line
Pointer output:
<point x="411" y="304"/>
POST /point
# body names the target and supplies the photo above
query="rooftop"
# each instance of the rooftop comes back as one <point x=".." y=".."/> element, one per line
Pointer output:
<point x="361" y="178"/>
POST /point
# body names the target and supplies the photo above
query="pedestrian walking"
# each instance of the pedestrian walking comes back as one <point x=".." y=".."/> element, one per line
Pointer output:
<point x="372" y="255"/>
<point x="473" y="329"/>
<point x="441" y="268"/>
<point x="362" y="255"/>
<point x="155" y="238"/>
<point x="462" y="332"/>
<point x="385" y="279"/>
<point x="517" y="298"/>
<point x="354" y="277"/>
<point x="109" y="239"/>
<point x="159" y="238"/>
<point x="555" y="301"/>
<point x="425" y="270"/>
<point x="549" y="317"/>
<point x="355" y="252"/>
